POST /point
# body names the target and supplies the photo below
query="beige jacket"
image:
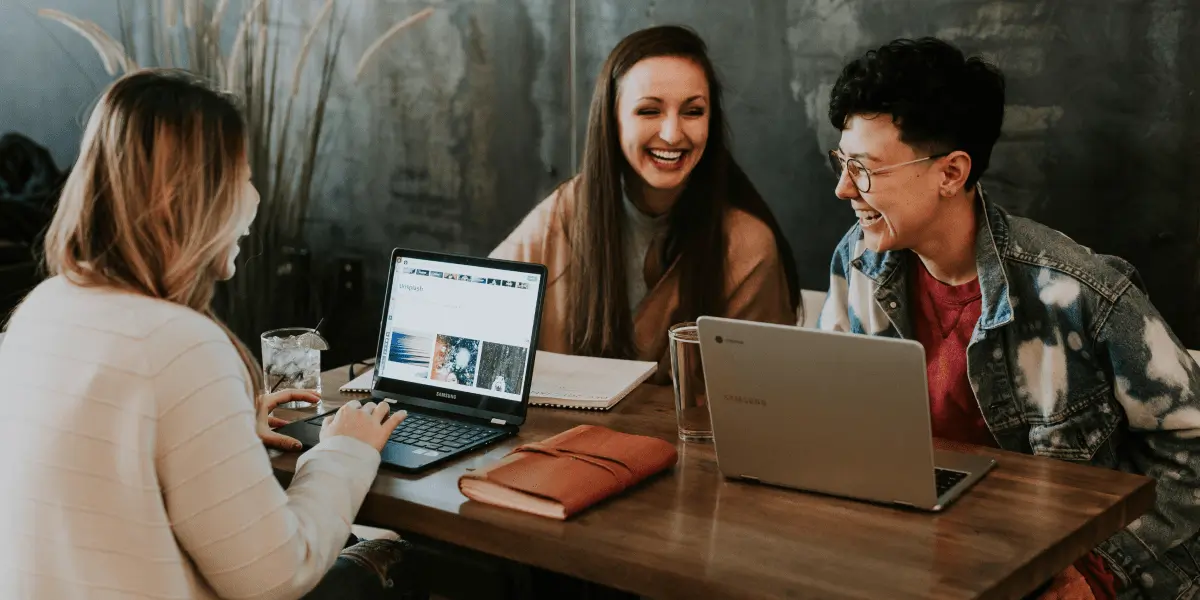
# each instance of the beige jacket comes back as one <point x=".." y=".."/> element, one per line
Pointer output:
<point x="132" y="464"/>
<point x="755" y="281"/>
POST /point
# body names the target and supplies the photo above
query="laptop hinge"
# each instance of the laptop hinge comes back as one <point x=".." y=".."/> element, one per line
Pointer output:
<point x="446" y="414"/>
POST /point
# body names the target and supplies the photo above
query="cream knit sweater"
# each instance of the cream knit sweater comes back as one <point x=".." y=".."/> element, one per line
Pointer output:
<point x="129" y="465"/>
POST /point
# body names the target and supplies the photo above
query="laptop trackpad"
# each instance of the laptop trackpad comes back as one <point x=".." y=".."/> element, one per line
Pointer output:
<point x="404" y="455"/>
<point x="308" y="432"/>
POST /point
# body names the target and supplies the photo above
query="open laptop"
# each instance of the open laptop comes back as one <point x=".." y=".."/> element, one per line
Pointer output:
<point x="836" y="413"/>
<point x="456" y="348"/>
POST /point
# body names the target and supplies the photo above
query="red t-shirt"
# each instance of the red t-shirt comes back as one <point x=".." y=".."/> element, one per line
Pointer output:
<point x="943" y="319"/>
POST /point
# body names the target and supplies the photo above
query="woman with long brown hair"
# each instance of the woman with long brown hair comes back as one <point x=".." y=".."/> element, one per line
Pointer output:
<point x="134" y="428"/>
<point x="660" y="225"/>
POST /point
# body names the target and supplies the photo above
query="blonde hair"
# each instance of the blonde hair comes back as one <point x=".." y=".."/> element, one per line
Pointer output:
<point x="155" y="198"/>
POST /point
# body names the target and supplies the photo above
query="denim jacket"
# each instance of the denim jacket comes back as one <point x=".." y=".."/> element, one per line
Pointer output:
<point x="1069" y="360"/>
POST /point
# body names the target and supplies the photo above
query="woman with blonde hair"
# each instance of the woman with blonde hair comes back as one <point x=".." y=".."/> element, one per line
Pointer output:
<point x="133" y="434"/>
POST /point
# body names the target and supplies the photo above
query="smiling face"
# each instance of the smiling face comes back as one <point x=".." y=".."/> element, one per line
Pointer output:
<point x="662" y="115"/>
<point x="902" y="205"/>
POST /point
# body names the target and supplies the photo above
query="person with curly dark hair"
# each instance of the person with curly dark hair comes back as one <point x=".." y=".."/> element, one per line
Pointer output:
<point x="1033" y="343"/>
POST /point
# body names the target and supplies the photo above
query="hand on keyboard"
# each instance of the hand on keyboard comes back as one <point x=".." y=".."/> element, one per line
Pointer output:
<point x="368" y="423"/>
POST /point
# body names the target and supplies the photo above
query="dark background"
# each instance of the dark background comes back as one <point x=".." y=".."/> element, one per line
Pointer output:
<point x="469" y="120"/>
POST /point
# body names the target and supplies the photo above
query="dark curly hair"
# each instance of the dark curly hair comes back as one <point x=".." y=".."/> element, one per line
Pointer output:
<point x="940" y="100"/>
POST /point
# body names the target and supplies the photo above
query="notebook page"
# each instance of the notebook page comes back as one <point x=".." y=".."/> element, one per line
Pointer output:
<point x="588" y="379"/>
<point x="362" y="382"/>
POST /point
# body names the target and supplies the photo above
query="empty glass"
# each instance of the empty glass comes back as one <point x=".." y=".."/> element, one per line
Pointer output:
<point x="687" y="376"/>
<point x="291" y="359"/>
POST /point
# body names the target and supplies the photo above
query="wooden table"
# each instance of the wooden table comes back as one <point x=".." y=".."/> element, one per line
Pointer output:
<point x="692" y="534"/>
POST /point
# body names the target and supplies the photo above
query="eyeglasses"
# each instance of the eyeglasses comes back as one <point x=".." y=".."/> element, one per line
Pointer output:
<point x="861" y="175"/>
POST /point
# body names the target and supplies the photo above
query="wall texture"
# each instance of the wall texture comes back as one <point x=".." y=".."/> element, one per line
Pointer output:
<point x="468" y="120"/>
<point x="49" y="77"/>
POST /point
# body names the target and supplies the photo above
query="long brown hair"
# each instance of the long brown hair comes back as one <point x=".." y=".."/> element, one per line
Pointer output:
<point x="600" y="319"/>
<point x="155" y="197"/>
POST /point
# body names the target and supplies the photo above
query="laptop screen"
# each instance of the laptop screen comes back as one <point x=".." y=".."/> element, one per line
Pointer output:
<point x="460" y="331"/>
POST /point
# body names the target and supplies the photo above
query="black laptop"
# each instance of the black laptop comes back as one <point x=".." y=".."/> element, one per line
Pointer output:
<point x="456" y="349"/>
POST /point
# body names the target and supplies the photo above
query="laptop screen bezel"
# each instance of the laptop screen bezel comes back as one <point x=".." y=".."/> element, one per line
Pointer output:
<point x="468" y="404"/>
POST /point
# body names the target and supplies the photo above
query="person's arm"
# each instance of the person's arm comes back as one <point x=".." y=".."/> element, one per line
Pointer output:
<point x="1158" y="385"/>
<point x="245" y="535"/>
<point x="760" y="289"/>
<point x="521" y="245"/>
<point x="527" y="243"/>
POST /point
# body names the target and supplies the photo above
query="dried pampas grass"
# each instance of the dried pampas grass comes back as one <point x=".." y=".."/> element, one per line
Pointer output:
<point x="111" y="52"/>
<point x="387" y="36"/>
<point x="284" y="128"/>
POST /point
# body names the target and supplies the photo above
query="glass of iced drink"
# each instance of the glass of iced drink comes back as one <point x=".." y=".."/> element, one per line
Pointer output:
<point x="291" y="359"/>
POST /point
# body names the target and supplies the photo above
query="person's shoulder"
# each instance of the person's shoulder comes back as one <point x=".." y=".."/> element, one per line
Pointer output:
<point x="1034" y="245"/>
<point x="560" y="203"/>
<point x="108" y="309"/>
<point x="139" y="332"/>
<point x="747" y="235"/>
<point x="552" y="211"/>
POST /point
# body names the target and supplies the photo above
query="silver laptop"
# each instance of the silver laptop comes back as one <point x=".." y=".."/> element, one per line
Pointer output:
<point x="836" y="413"/>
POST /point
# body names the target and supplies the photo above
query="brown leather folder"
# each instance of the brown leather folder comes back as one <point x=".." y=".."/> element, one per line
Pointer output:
<point x="569" y="472"/>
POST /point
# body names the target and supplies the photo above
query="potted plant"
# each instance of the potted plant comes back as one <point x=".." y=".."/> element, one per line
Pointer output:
<point x="285" y="97"/>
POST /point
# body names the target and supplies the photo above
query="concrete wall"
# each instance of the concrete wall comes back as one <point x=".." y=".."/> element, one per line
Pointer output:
<point x="468" y="120"/>
<point x="49" y="76"/>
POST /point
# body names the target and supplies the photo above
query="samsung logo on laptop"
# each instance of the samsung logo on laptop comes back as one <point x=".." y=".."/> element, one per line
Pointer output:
<point x="447" y="396"/>
<point x="745" y="400"/>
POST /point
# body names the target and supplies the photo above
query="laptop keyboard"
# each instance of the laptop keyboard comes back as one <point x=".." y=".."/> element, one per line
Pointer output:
<point x="442" y="435"/>
<point x="946" y="479"/>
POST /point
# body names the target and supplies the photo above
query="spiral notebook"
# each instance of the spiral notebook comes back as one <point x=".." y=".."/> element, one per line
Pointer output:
<point x="361" y="384"/>
<point x="565" y="381"/>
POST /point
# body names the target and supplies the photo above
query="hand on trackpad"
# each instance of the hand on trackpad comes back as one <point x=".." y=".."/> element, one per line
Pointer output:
<point x="308" y="432"/>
